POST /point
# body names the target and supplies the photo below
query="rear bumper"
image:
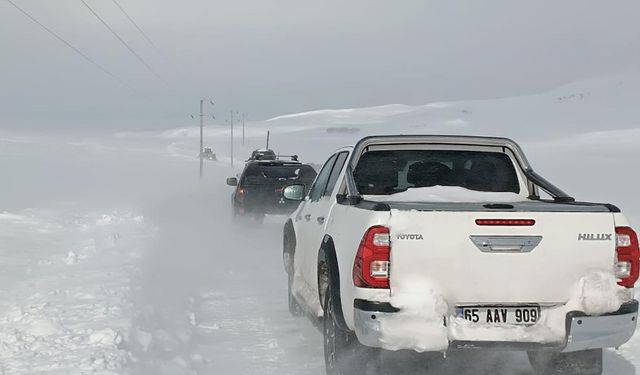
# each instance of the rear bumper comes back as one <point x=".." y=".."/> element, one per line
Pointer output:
<point x="605" y="331"/>
<point x="582" y="331"/>
<point x="269" y="208"/>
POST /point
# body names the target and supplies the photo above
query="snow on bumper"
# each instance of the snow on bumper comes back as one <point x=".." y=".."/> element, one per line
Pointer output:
<point x="420" y="316"/>
<point x="382" y="325"/>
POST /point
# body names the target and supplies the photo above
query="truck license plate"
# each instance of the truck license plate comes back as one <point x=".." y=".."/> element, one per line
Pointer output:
<point x="509" y="315"/>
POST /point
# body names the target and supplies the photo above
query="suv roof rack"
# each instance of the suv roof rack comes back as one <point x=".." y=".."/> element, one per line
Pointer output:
<point x="290" y="157"/>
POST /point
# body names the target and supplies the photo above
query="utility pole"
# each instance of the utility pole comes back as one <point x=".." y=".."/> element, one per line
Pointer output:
<point x="242" y="128"/>
<point x="201" y="153"/>
<point x="201" y="138"/>
<point x="231" y="139"/>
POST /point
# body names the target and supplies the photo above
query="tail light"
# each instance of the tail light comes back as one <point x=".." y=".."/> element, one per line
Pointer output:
<point x="371" y="266"/>
<point x="240" y="194"/>
<point x="506" y="222"/>
<point x="627" y="267"/>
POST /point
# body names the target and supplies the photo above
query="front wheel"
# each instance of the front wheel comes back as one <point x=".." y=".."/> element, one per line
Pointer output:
<point x="586" y="362"/>
<point x="343" y="353"/>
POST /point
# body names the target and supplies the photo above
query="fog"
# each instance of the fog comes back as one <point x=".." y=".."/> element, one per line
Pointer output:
<point x="270" y="58"/>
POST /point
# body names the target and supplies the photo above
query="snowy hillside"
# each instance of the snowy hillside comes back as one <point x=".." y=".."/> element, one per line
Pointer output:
<point x="607" y="103"/>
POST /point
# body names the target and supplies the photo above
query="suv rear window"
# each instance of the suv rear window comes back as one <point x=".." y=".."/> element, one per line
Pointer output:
<point x="259" y="173"/>
<point x="389" y="172"/>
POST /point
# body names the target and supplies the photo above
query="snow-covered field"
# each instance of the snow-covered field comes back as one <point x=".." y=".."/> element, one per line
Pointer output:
<point x="114" y="258"/>
<point x="66" y="288"/>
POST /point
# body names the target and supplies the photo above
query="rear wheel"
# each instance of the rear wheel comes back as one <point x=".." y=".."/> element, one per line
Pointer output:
<point x="586" y="362"/>
<point x="343" y="353"/>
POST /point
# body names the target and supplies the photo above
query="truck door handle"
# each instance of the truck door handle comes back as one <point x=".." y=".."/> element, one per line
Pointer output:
<point x="320" y="220"/>
<point x="307" y="217"/>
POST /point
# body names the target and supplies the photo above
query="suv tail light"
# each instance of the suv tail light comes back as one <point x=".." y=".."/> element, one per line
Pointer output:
<point x="240" y="194"/>
<point x="627" y="267"/>
<point x="371" y="266"/>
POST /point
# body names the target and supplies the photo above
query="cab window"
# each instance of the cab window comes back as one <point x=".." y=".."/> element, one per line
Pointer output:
<point x="321" y="181"/>
<point x="335" y="173"/>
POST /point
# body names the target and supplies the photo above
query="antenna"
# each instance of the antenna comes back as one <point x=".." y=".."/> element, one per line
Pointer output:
<point x="268" y="139"/>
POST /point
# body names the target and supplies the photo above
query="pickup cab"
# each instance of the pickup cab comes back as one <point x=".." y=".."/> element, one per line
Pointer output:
<point x="438" y="243"/>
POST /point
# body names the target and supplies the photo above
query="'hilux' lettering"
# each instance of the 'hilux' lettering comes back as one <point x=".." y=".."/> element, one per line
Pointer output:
<point x="594" y="237"/>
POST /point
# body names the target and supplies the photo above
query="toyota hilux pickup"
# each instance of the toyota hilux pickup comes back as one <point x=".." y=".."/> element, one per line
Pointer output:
<point x="439" y="243"/>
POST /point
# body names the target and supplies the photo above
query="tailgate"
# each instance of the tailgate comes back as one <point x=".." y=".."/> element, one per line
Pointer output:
<point x="438" y="248"/>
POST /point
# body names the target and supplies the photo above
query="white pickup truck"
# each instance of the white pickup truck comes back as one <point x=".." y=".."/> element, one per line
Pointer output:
<point x="436" y="243"/>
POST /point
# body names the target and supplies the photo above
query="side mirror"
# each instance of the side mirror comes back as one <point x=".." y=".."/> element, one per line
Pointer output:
<point x="293" y="192"/>
<point x="232" y="181"/>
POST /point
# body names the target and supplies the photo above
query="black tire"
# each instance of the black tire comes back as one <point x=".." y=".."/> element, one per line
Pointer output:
<point x="343" y="353"/>
<point x="294" y="307"/>
<point x="586" y="362"/>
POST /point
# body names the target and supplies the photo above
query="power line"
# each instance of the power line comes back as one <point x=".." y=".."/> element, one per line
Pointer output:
<point x="134" y="23"/>
<point x="148" y="39"/>
<point x="122" y="41"/>
<point x="71" y="46"/>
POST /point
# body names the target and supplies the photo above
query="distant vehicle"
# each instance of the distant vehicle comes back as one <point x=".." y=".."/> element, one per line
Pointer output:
<point x="259" y="188"/>
<point x="439" y="243"/>
<point x="208" y="154"/>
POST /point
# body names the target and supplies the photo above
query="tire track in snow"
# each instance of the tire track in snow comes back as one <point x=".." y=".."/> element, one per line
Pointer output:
<point x="229" y="325"/>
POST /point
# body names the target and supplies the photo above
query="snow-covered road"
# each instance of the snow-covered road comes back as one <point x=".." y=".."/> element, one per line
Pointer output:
<point x="213" y="298"/>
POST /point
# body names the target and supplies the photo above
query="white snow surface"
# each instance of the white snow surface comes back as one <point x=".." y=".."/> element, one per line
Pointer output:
<point x="66" y="297"/>
<point x="456" y="194"/>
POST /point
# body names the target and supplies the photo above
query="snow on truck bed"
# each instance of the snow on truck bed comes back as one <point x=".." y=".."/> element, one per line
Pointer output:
<point x="455" y="194"/>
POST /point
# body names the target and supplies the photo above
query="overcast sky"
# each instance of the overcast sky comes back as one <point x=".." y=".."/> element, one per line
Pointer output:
<point x="270" y="57"/>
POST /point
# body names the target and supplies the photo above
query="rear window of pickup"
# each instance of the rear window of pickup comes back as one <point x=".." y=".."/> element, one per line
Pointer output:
<point x="389" y="172"/>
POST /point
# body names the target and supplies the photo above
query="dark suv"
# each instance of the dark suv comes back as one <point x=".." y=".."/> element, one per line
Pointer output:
<point x="259" y="188"/>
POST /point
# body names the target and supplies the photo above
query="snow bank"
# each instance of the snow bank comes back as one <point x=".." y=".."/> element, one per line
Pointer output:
<point x="446" y="194"/>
